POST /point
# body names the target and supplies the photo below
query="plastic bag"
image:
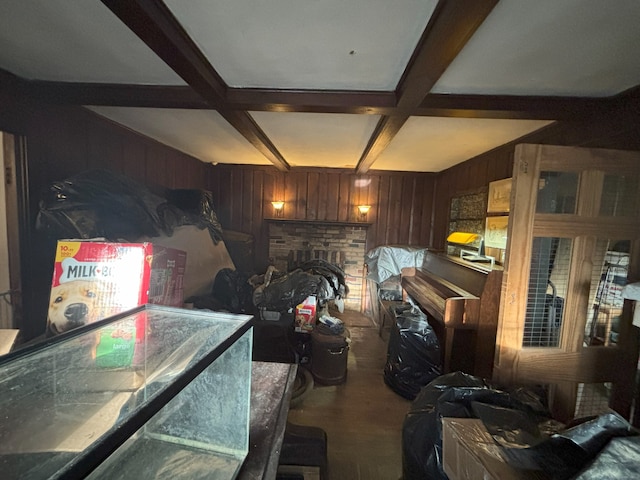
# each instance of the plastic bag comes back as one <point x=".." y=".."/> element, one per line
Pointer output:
<point x="100" y="203"/>
<point x="197" y="207"/>
<point x="422" y="427"/>
<point x="233" y="292"/>
<point x="287" y="291"/>
<point x="413" y="354"/>
<point x="563" y="454"/>
<point x="335" y="275"/>
<point x="517" y="420"/>
<point x="105" y="204"/>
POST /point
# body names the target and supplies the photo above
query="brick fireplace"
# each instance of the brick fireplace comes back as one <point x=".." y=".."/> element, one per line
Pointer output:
<point x="342" y="244"/>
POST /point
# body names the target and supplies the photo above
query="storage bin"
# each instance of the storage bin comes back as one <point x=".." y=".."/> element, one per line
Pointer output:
<point x="329" y="355"/>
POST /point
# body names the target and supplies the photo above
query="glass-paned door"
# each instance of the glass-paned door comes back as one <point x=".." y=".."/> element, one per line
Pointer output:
<point x="573" y="243"/>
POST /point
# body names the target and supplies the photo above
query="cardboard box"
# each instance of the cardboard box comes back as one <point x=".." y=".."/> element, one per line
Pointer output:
<point x="470" y="453"/>
<point x="7" y="339"/>
<point x="93" y="280"/>
<point x="305" y="318"/>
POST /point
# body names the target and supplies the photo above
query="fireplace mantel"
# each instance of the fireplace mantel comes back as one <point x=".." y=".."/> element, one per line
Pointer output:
<point x="318" y="222"/>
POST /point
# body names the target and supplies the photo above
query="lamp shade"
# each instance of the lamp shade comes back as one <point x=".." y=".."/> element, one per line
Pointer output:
<point x="462" y="238"/>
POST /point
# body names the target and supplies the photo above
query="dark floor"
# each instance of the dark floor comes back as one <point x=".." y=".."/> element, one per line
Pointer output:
<point x="362" y="417"/>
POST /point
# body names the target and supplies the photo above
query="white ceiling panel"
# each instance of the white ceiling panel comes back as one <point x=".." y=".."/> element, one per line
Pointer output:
<point x="203" y="134"/>
<point x="75" y="41"/>
<point x="318" y="139"/>
<point x="319" y="44"/>
<point x="433" y="144"/>
<point x="550" y="47"/>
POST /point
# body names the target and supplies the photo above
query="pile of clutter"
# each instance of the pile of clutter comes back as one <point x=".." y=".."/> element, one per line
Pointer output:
<point x="314" y="283"/>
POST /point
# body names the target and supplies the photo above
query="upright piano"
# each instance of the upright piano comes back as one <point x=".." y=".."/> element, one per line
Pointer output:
<point x="461" y="300"/>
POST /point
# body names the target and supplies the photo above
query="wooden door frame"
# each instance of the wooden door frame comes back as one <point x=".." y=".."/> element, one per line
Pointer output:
<point x="616" y="364"/>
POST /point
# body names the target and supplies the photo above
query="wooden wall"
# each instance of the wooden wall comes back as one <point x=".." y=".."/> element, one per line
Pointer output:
<point x="616" y="129"/>
<point x="401" y="203"/>
<point x="63" y="141"/>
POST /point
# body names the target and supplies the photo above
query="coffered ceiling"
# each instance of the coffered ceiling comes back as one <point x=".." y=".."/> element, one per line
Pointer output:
<point x="417" y="85"/>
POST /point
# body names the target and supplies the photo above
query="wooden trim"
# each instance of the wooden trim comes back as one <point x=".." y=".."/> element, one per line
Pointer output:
<point x="156" y="26"/>
<point x="319" y="101"/>
<point x="512" y="106"/>
<point x="571" y="226"/>
<point x="314" y="101"/>
<point x="116" y="95"/>
<point x="586" y="365"/>
<point x="575" y="159"/>
<point x="154" y="23"/>
<point x="449" y="29"/>
<point x="386" y="129"/>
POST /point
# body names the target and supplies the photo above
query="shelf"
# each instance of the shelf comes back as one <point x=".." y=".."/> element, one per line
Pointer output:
<point x="319" y="222"/>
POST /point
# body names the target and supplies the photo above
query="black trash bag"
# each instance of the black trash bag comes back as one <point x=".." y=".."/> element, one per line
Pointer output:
<point x="101" y="203"/>
<point x="515" y="419"/>
<point x="197" y="209"/>
<point x="334" y="275"/>
<point x="233" y="292"/>
<point x="286" y="291"/>
<point x="413" y="354"/>
<point x="422" y="426"/>
<point x="460" y="395"/>
<point x="620" y="458"/>
<point x="561" y="455"/>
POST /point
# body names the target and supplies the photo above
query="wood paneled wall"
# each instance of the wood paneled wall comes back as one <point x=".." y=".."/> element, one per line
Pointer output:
<point x="401" y="203"/>
<point x="616" y="129"/>
<point x="63" y="141"/>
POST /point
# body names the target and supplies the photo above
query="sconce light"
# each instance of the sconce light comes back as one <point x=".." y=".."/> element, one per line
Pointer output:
<point x="363" y="209"/>
<point x="278" y="207"/>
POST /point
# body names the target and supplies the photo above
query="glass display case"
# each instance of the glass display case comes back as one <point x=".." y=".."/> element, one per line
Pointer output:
<point x="155" y="392"/>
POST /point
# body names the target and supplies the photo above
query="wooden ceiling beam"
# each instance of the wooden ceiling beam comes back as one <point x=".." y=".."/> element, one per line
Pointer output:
<point x="117" y="95"/>
<point x="312" y="101"/>
<point x="449" y="29"/>
<point x="322" y="101"/>
<point x="154" y="23"/>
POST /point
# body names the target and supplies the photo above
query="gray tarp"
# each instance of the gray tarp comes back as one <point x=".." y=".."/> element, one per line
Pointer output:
<point x="389" y="260"/>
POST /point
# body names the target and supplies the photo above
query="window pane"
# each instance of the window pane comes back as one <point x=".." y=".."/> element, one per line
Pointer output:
<point x="557" y="192"/>
<point x="619" y="196"/>
<point x="548" y="280"/>
<point x="608" y="277"/>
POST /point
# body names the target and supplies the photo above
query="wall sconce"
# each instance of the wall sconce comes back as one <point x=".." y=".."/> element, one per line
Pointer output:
<point x="363" y="209"/>
<point x="278" y="207"/>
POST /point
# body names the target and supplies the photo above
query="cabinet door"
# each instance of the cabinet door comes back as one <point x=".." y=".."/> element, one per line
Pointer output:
<point x="574" y="211"/>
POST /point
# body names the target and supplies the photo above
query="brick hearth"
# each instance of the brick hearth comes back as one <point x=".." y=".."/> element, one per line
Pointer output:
<point x="292" y="242"/>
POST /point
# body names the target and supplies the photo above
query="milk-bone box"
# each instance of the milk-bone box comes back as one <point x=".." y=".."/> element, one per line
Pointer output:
<point x="93" y="280"/>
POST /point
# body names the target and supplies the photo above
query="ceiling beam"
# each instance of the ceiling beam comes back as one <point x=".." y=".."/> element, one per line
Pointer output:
<point x="449" y="29"/>
<point x="154" y="23"/>
<point x="117" y="95"/>
<point x="320" y="101"/>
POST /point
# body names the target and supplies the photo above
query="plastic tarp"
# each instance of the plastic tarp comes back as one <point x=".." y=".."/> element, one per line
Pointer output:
<point x="105" y="204"/>
<point x="519" y="423"/>
<point x="388" y="261"/>
<point x="413" y="354"/>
